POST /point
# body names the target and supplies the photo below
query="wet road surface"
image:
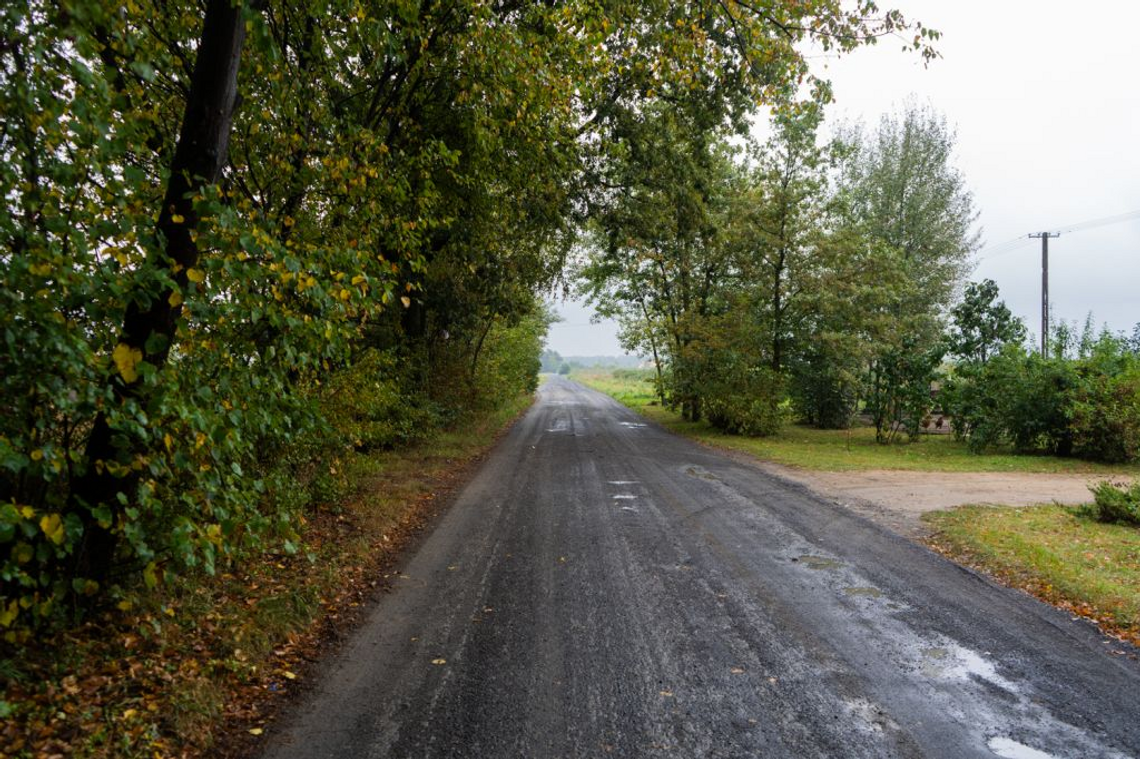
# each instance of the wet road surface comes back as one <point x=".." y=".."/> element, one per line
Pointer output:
<point x="605" y="588"/>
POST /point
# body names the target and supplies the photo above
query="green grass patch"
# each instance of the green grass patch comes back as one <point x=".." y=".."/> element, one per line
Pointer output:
<point x="834" y="450"/>
<point x="1053" y="552"/>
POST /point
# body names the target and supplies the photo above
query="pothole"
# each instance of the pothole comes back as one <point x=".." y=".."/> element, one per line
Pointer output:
<point x="818" y="562"/>
<point x="866" y="592"/>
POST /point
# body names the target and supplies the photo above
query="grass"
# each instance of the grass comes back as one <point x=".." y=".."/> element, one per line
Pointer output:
<point x="834" y="450"/>
<point x="212" y="656"/>
<point x="1087" y="567"/>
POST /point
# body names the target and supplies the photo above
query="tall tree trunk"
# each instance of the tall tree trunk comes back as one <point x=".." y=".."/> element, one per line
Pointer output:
<point x="151" y="320"/>
<point x="653" y="346"/>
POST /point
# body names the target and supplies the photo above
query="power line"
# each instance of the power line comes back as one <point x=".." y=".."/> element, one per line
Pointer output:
<point x="1016" y="243"/>
<point x="1102" y="222"/>
<point x="997" y="251"/>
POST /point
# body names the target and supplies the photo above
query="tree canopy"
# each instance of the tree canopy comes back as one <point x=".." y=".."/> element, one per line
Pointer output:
<point x="213" y="210"/>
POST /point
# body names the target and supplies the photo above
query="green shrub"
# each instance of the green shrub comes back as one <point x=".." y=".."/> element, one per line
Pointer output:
<point x="1017" y="399"/>
<point x="1116" y="503"/>
<point x="372" y="405"/>
<point x="1106" y="417"/>
<point x="1087" y="407"/>
<point x="749" y="403"/>
<point x="824" y="392"/>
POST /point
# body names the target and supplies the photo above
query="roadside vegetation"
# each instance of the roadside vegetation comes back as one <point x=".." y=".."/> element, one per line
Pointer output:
<point x="823" y="283"/>
<point x="855" y="448"/>
<point x="171" y="669"/>
<point x="1063" y="555"/>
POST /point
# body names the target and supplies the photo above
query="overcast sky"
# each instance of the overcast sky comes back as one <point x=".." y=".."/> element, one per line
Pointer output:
<point x="1045" y="96"/>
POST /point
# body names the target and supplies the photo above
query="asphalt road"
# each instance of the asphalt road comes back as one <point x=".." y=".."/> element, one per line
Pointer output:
<point x="605" y="588"/>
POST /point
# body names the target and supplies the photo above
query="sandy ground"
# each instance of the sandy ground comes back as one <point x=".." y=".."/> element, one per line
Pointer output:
<point x="898" y="499"/>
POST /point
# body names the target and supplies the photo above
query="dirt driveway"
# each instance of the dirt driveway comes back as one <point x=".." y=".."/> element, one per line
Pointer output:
<point x="898" y="498"/>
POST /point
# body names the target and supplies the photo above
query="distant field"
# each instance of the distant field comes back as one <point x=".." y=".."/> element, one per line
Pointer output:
<point x="833" y="450"/>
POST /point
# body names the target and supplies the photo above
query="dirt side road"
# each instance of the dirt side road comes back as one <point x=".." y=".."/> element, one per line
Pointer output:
<point x="898" y="499"/>
<point x="605" y="588"/>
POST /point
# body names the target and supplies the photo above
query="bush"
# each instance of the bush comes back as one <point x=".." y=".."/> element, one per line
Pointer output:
<point x="824" y="395"/>
<point x="1016" y="398"/>
<point x="1087" y="407"/>
<point x="371" y="405"/>
<point x="1106" y="417"/>
<point x="1116" y="503"/>
<point x="750" y="405"/>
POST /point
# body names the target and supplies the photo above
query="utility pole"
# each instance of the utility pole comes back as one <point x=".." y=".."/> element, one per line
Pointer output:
<point x="1044" y="236"/>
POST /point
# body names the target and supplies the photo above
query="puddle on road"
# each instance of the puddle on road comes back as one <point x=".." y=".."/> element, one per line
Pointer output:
<point x="633" y="425"/>
<point x="867" y="592"/>
<point x="818" y="562"/>
<point x="624" y="497"/>
<point x="1011" y="749"/>
<point x="954" y="662"/>
<point x="622" y="482"/>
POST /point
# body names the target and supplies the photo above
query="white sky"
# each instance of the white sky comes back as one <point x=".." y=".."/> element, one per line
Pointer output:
<point x="1045" y="96"/>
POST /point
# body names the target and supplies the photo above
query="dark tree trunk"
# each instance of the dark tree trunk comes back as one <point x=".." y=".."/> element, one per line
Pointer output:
<point x="150" y="321"/>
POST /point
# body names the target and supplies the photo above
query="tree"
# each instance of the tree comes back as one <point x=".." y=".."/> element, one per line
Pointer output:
<point x="776" y="224"/>
<point x="899" y="186"/>
<point x="982" y="325"/>
<point x="203" y="223"/>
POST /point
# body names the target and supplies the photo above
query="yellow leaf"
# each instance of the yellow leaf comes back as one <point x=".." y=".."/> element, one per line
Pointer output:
<point x="8" y="615"/>
<point x="37" y="455"/>
<point x="358" y="279"/>
<point x="177" y="218"/>
<point x="52" y="526"/>
<point x="126" y="359"/>
<point x="406" y="301"/>
<point x="28" y="512"/>
<point x="255" y="731"/>
<point x="149" y="575"/>
<point x="167" y="441"/>
<point x="289" y="675"/>
<point x="195" y="275"/>
<point x="437" y="662"/>
<point x="129" y="713"/>
<point x="124" y="605"/>
<point x="175" y="298"/>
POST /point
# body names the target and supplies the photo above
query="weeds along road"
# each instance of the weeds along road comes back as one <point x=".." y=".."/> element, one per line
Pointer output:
<point x="605" y="588"/>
